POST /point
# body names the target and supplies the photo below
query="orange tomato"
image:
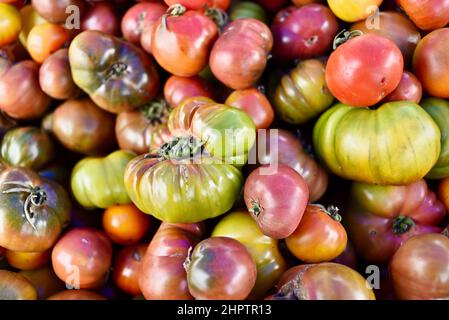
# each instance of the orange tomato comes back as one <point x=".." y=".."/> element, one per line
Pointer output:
<point x="125" y="224"/>
<point x="10" y="24"/>
<point x="45" y="39"/>
<point x="27" y="260"/>
<point x="30" y="18"/>
<point x="443" y="192"/>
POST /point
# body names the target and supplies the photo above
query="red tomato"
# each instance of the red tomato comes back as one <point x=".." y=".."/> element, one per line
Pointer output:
<point x="101" y="16"/>
<point x="276" y="197"/>
<point x="409" y="89"/>
<point x="427" y="14"/>
<point x="177" y="89"/>
<point x="127" y="267"/>
<point x="200" y="4"/>
<point x="364" y="70"/>
<point x="272" y="5"/>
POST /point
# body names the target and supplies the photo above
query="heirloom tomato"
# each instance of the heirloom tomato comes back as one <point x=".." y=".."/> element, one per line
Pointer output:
<point x="117" y="75"/>
<point x="443" y="192"/>
<point x="44" y="281"/>
<point x="10" y="24"/>
<point x="45" y="39"/>
<point x="76" y="295"/>
<point x="247" y="9"/>
<point x="193" y="177"/>
<point x="381" y="218"/>
<point x="354" y="10"/>
<point x="101" y="16"/>
<point x="200" y="4"/>
<point x="276" y="197"/>
<point x="302" y="94"/>
<point x="363" y="70"/>
<point x="59" y="11"/>
<point x="220" y="268"/>
<point x="303" y="2"/>
<point x="323" y="281"/>
<point x="98" y="182"/>
<point x="409" y="89"/>
<point x="82" y="258"/>
<point x="427" y="14"/>
<point x="33" y="211"/>
<point x="272" y="5"/>
<point x="269" y="261"/>
<point x="363" y="145"/>
<point x="14" y="286"/>
<point x="419" y="268"/>
<point x="127" y="268"/>
<point x="177" y="89"/>
<point x="29" y="147"/>
<point x="319" y="236"/>
<point x="162" y="275"/>
<point x="30" y="18"/>
<point x="240" y="66"/>
<point x="27" y="260"/>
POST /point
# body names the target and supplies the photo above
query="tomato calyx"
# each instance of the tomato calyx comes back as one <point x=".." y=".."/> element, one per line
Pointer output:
<point x="218" y="16"/>
<point x="181" y="148"/>
<point x="175" y="10"/>
<point x="345" y="36"/>
<point x="402" y="224"/>
<point x="256" y="209"/>
<point x="116" y="71"/>
<point x="331" y="211"/>
<point x="155" y="111"/>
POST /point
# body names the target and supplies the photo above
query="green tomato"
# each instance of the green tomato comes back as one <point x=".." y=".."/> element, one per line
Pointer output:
<point x="246" y="9"/>
<point x="98" y="182"/>
<point x="397" y="144"/>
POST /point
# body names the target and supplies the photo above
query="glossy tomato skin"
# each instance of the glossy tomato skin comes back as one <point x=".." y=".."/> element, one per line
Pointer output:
<point x="409" y="89"/>
<point x="177" y="89"/>
<point x="221" y="268"/>
<point x="303" y="33"/>
<point x="125" y="224"/>
<point x="49" y="219"/>
<point x="44" y="280"/>
<point x="276" y="198"/>
<point x="55" y="11"/>
<point x="93" y="188"/>
<point x="381" y="218"/>
<point x="11" y="24"/>
<point x="396" y="27"/>
<point x="45" y="39"/>
<point x="353" y="10"/>
<point x="162" y="275"/>
<point x="427" y="15"/>
<point x="302" y="94"/>
<point x="28" y="260"/>
<point x="319" y="236"/>
<point x="27" y="100"/>
<point x="101" y="17"/>
<point x="237" y="66"/>
<point x="269" y="261"/>
<point x="83" y="127"/>
<point x="117" y="75"/>
<point x="423" y="258"/>
<point x="76" y="295"/>
<point x="323" y="281"/>
<point x="357" y="152"/>
<point x="152" y="16"/>
<point x="200" y="4"/>
<point x="127" y="267"/>
<point x="92" y="261"/>
<point x="29" y="147"/>
<point x="255" y="104"/>
<point x="364" y="70"/>
<point x="14" y="286"/>
<point x="431" y="63"/>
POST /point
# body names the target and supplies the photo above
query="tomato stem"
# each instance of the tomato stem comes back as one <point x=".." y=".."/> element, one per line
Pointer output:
<point x="332" y="211"/>
<point x="117" y="70"/>
<point x="255" y="209"/>
<point x="175" y="10"/>
<point x="218" y="16"/>
<point x="181" y="148"/>
<point x="345" y="36"/>
<point x="155" y="110"/>
<point x="402" y="224"/>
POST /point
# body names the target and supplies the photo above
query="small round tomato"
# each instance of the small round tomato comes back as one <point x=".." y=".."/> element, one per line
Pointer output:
<point x="14" y="286"/>
<point x="30" y="18"/>
<point x="27" y="260"/>
<point x="57" y="11"/>
<point x="319" y="237"/>
<point x="76" y="295"/>
<point x="101" y="16"/>
<point x="44" y="281"/>
<point x="370" y="65"/>
<point x="82" y="258"/>
<point x="354" y="10"/>
<point x="247" y="9"/>
<point x="276" y="196"/>
<point x="127" y="267"/>
<point x="177" y="89"/>
<point x="255" y="104"/>
<point x="125" y="224"/>
<point x="45" y="39"/>
<point x="10" y="24"/>
<point x="409" y="89"/>
<point x="427" y="15"/>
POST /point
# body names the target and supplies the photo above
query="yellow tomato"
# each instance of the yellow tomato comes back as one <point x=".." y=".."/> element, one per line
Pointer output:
<point x="30" y="18"/>
<point x="10" y="24"/>
<point x="353" y="10"/>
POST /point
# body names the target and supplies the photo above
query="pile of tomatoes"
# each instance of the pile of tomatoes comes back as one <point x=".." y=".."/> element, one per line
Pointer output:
<point x="218" y="149"/>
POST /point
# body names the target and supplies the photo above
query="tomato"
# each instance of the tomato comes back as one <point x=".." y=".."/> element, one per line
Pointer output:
<point x="127" y="267"/>
<point x="28" y="260"/>
<point x="282" y="147"/>
<point x="220" y="268"/>
<point x="98" y="182"/>
<point x="272" y="5"/>
<point x="143" y="129"/>
<point x="117" y="75"/>
<point x="44" y="281"/>
<point x="247" y="9"/>
<point x="363" y="145"/>
<point x="394" y="26"/>
<point x="140" y="17"/>
<point x="431" y="63"/>
<point x="323" y="281"/>
<point x="34" y="211"/>
<point x="20" y="94"/>
<point x="55" y="11"/>
<point x="443" y="192"/>
<point x="101" y="16"/>
<point x="82" y="258"/>
<point x="438" y="109"/>
<point x="409" y="89"/>
<point x="304" y="32"/>
<point x="151" y="17"/>
<point x="424" y="259"/>
<point x="83" y="127"/>
<point x="264" y="250"/>
<point x="200" y="4"/>
<point x="382" y="218"/>
<point x="10" y="24"/>
<point x="304" y="2"/>
<point x="302" y="94"/>
<point x="45" y="39"/>
<point x="353" y="10"/>
<point x="30" y="18"/>
<point x="181" y="42"/>
<point x="76" y="295"/>
<point x="13" y="286"/>
<point x="162" y="275"/>
<point x="55" y="77"/>
<point x="276" y="198"/>
<point x="255" y="104"/>
<point x="364" y="70"/>
<point x="29" y="147"/>
<point x="427" y="14"/>
<point x="238" y="66"/>
<point x="177" y="89"/>
<point x="125" y="224"/>
<point x="319" y="236"/>
<point x="192" y="177"/>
